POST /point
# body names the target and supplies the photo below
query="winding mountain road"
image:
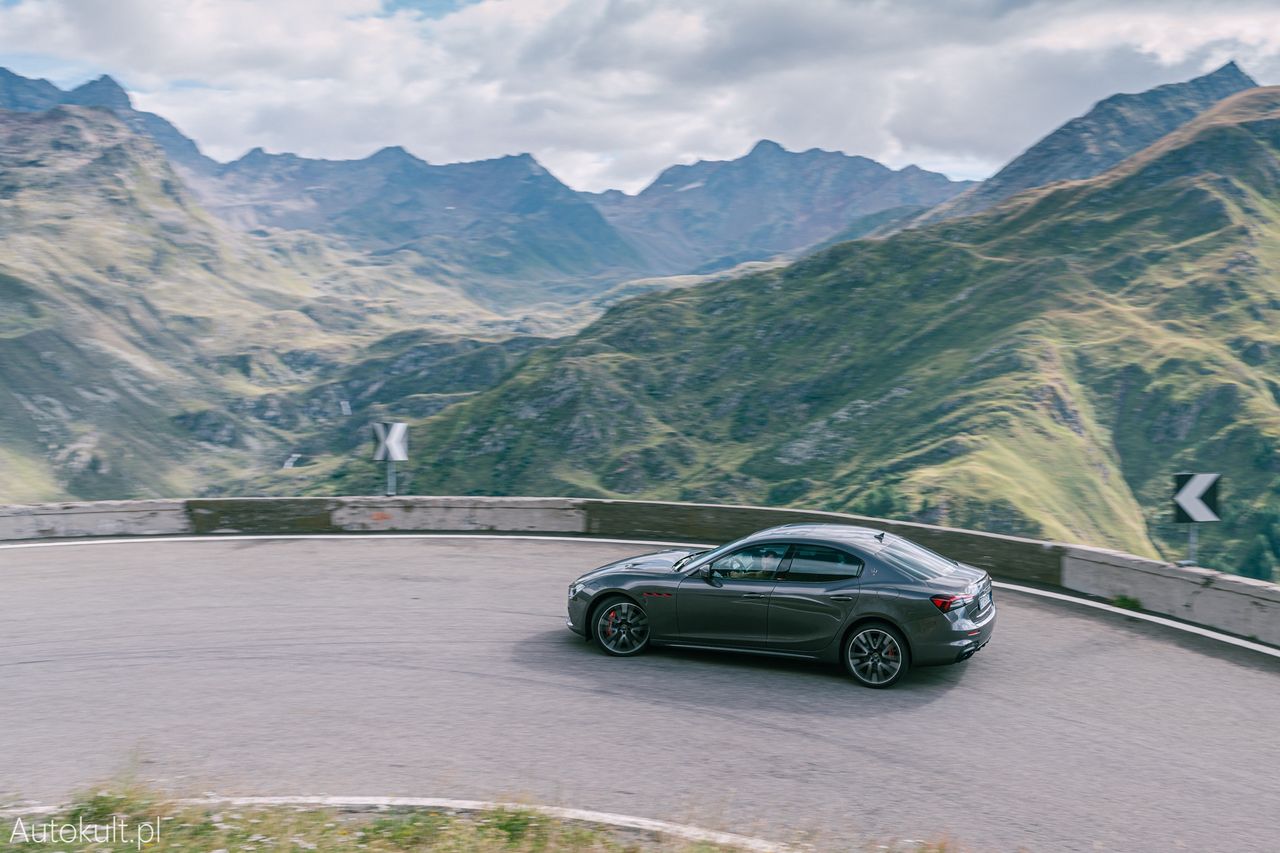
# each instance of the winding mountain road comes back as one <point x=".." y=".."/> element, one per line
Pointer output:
<point x="442" y="667"/>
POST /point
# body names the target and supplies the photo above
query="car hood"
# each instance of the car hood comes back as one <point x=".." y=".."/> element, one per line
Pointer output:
<point x="656" y="563"/>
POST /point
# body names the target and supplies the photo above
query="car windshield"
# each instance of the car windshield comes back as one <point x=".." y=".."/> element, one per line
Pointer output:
<point x="713" y="554"/>
<point x="917" y="562"/>
<point x="679" y="564"/>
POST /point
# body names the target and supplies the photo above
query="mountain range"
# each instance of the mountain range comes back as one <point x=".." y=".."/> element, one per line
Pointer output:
<point x="506" y="232"/>
<point x="716" y="214"/>
<point x="1040" y="369"/>
<point x="1032" y="354"/>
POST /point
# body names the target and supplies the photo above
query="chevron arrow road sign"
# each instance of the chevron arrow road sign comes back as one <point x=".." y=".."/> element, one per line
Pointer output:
<point x="393" y="442"/>
<point x="1195" y="498"/>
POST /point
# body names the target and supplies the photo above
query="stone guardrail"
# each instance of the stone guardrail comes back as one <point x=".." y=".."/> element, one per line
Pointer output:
<point x="1241" y="606"/>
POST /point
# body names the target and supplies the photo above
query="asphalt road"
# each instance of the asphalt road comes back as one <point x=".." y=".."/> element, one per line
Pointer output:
<point x="442" y="667"/>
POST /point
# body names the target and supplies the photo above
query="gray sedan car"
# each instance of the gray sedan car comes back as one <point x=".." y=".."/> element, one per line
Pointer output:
<point x="876" y="602"/>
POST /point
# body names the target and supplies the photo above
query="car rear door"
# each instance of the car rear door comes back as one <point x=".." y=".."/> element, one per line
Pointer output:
<point x="727" y="602"/>
<point x="814" y="593"/>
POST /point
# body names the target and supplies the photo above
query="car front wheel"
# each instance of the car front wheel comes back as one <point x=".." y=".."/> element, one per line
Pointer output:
<point x="876" y="656"/>
<point x="622" y="627"/>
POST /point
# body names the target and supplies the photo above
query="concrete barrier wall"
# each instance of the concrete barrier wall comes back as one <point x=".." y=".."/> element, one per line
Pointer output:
<point x="370" y="514"/>
<point x="95" y="518"/>
<point x="1240" y="606"/>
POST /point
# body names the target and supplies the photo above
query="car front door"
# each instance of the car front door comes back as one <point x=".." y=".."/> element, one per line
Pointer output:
<point x="726" y="603"/>
<point x="814" y="593"/>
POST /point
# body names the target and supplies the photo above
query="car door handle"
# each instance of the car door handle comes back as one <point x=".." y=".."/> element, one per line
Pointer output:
<point x="754" y="595"/>
<point x="842" y="598"/>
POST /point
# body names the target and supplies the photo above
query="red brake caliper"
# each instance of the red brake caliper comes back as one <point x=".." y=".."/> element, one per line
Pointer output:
<point x="613" y="614"/>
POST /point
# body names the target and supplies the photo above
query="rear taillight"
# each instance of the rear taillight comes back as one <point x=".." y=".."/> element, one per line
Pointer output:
<point x="947" y="603"/>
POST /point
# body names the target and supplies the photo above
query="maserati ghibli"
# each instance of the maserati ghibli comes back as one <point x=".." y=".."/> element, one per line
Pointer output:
<point x="875" y="602"/>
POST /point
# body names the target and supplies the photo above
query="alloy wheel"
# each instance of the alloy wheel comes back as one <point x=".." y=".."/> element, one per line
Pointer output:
<point x="622" y="628"/>
<point x="875" y="657"/>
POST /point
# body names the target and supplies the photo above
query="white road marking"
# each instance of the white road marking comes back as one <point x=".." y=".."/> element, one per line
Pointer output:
<point x="373" y="534"/>
<point x="660" y="827"/>
<point x="1026" y="590"/>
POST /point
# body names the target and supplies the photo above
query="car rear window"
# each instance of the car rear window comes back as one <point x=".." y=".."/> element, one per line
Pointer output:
<point x="916" y="562"/>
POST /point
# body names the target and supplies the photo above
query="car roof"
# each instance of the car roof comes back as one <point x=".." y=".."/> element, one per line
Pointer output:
<point x="837" y="534"/>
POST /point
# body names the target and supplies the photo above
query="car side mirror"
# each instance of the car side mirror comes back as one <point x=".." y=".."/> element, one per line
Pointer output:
<point x="708" y="575"/>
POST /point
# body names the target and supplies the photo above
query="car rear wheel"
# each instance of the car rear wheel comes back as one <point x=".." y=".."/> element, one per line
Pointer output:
<point x="622" y="627"/>
<point x="876" y="656"/>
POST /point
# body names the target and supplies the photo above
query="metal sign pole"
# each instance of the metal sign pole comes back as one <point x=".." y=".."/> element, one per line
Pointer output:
<point x="1191" y="542"/>
<point x="391" y="478"/>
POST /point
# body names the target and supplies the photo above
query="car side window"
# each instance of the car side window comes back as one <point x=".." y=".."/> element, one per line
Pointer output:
<point x="816" y="564"/>
<point x="758" y="562"/>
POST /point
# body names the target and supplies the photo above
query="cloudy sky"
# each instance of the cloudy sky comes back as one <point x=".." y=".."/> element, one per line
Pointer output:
<point x="606" y="93"/>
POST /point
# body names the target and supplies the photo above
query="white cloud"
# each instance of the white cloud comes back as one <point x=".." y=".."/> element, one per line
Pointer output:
<point x="607" y="92"/>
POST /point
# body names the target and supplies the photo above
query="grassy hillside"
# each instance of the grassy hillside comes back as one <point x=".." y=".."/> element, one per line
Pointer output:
<point x="1043" y="368"/>
<point x="125" y="309"/>
<point x="413" y="374"/>
<point x="119" y="295"/>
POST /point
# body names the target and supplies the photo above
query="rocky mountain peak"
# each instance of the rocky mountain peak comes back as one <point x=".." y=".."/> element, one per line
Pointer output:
<point x="20" y="93"/>
<point x="395" y="154"/>
<point x="1088" y="145"/>
<point x="1232" y="73"/>
<point x="522" y="163"/>
<point x="254" y="156"/>
<point x="102" y="92"/>
<point x="766" y="148"/>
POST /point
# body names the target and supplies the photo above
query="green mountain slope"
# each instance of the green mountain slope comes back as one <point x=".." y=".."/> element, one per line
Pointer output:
<point x="412" y="374"/>
<point x="1042" y="369"/>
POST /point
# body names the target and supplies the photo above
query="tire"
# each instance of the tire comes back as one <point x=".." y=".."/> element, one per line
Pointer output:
<point x="621" y="627"/>
<point x="876" y="655"/>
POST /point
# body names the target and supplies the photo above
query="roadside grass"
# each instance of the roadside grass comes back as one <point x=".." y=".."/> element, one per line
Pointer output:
<point x="227" y="828"/>
<point x="205" y="829"/>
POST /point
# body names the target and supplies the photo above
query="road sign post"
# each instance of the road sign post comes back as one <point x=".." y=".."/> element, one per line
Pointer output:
<point x="1195" y="502"/>
<point x="392" y="446"/>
